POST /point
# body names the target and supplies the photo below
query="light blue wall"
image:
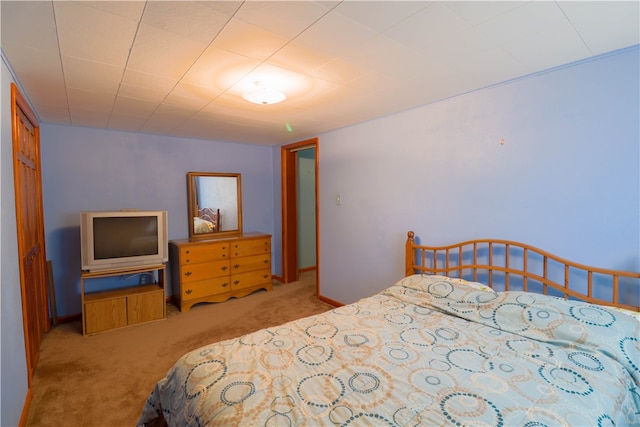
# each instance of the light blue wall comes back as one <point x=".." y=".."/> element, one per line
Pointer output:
<point x="13" y="361"/>
<point x="89" y="169"/>
<point x="567" y="178"/>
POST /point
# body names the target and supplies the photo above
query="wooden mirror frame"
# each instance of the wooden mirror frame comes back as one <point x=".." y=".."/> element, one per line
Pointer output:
<point x="215" y="214"/>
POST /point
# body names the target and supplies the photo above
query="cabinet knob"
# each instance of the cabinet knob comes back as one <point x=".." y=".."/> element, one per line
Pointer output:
<point x="236" y="266"/>
<point x="225" y="284"/>
<point x="265" y="276"/>
<point x="187" y="261"/>
<point x="266" y="261"/>
<point x="188" y="291"/>
<point x="188" y="273"/>
<point x="235" y="282"/>
<point x="223" y="268"/>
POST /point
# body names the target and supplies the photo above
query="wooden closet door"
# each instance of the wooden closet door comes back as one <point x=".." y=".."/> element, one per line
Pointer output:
<point x="30" y="224"/>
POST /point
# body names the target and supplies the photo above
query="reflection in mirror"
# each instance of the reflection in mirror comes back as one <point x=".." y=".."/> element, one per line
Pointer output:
<point x="215" y="204"/>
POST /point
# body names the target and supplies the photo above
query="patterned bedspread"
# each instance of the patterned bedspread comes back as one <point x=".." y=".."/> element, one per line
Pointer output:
<point x="429" y="351"/>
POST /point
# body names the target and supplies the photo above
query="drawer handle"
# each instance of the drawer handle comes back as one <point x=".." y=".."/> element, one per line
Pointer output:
<point x="235" y="282"/>
<point x="188" y="291"/>
<point x="265" y="276"/>
<point x="188" y="273"/>
<point x="225" y="284"/>
<point x="266" y="261"/>
<point x="223" y="268"/>
<point x="187" y="252"/>
<point x="224" y="255"/>
<point x="236" y="266"/>
<point x="187" y="261"/>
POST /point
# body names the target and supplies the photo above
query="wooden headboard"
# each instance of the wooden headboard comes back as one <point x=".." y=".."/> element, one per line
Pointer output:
<point x="505" y="265"/>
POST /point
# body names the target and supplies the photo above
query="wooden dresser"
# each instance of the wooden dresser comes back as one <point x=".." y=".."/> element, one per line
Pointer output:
<point x="217" y="269"/>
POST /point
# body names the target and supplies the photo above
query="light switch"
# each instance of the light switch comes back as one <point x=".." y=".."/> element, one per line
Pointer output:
<point x="338" y="199"/>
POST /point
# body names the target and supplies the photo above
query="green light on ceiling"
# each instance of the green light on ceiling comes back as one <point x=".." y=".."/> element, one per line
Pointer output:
<point x="288" y="127"/>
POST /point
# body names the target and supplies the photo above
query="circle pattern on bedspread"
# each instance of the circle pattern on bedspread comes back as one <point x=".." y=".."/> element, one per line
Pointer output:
<point x="585" y="361"/>
<point x="321" y="390"/>
<point x="321" y="331"/>
<point x="314" y="355"/>
<point x="237" y="392"/>
<point x="628" y="348"/>
<point x="469" y="409"/>
<point x="565" y="379"/>
<point x="592" y="315"/>
<point x="202" y="376"/>
<point x="440" y="289"/>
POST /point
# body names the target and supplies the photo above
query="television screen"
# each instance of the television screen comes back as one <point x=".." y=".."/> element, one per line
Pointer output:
<point x="115" y="237"/>
<point x="112" y="240"/>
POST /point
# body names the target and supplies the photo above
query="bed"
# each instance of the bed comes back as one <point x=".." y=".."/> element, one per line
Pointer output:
<point x="484" y="332"/>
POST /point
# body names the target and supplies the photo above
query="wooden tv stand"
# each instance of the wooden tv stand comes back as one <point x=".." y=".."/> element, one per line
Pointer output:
<point x="110" y="309"/>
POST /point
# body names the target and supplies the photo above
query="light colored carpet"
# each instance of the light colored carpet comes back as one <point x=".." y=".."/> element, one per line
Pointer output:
<point x="103" y="380"/>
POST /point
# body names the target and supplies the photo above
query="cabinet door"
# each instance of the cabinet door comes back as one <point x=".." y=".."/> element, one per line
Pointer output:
<point x="145" y="307"/>
<point x="105" y="314"/>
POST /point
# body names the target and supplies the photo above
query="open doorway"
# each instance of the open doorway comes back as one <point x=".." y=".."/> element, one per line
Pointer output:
<point x="300" y="209"/>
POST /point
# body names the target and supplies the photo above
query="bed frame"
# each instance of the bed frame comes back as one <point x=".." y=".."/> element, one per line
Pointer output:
<point x="505" y="265"/>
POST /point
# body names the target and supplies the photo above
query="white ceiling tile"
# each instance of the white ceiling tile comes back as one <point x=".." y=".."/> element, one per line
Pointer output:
<point x="284" y="18"/>
<point x="88" y="118"/>
<point x="189" y="96"/>
<point x="477" y="12"/>
<point x="300" y="58"/>
<point x="41" y="31"/>
<point x="219" y="69"/>
<point x="163" y="53"/>
<point x="191" y="20"/>
<point x="428" y="26"/>
<point x="91" y="76"/>
<point x="92" y="34"/>
<point x="134" y="108"/>
<point x="94" y="102"/>
<point x="552" y="48"/>
<point x="531" y="20"/>
<point x="149" y="81"/>
<point x="380" y="15"/>
<point x="335" y="34"/>
<point x="339" y="71"/>
<point x="605" y="25"/>
<point x="248" y="40"/>
<point x="131" y="10"/>
<point x="165" y="119"/>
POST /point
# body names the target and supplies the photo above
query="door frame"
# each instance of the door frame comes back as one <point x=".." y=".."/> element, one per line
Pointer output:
<point x="290" y="209"/>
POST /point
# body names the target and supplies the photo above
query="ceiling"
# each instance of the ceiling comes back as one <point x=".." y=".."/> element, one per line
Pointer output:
<point x="179" y="68"/>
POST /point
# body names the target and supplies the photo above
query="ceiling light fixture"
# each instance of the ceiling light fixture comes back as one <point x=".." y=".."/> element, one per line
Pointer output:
<point x="263" y="95"/>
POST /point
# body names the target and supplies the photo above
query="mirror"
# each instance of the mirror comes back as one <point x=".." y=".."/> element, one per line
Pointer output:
<point x="215" y="204"/>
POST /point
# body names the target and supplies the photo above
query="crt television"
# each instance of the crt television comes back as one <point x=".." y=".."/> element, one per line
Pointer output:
<point x="112" y="240"/>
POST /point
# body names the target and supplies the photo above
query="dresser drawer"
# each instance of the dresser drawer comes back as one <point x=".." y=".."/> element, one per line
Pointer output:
<point x="203" y="270"/>
<point x="250" y="263"/>
<point x="192" y="254"/>
<point x="247" y="247"/>
<point x="252" y="278"/>
<point x="205" y="288"/>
